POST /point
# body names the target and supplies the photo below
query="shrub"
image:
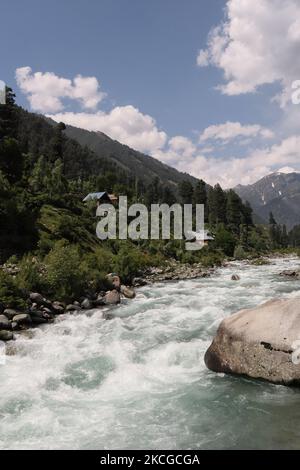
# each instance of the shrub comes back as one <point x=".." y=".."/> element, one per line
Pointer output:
<point x="31" y="276"/>
<point x="130" y="262"/>
<point x="66" y="275"/>
<point x="10" y="294"/>
<point x="239" y="252"/>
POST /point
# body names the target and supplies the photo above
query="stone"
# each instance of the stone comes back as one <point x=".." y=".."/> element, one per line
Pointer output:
<point x="128" y="293"/>
<point x="6" y="335"/>
<point x="114" y="279"/>
<point x="99" y="302"/>
<point x="10" y="313"/>
<point x="4" y="323"/>
<point x="235" y="277"/>
<point x="86" y="304"/>
<point x="57" y="308"/>
<point x="263" y="343"/>
<point x="72" y="308"/>
<point x="290" y="273"/>
<point x="37" y="298"/>
<point x="22" y="319"/>
<point x="38" y="320"/>
<point x="112" y="297"/>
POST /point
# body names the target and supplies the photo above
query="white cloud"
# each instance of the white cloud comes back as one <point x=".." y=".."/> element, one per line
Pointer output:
<point x="123" y="123"/>
<point x="46" y="91"/>
<point x="257" y="43"/>
<point x="232" y="171"/>
<point x="232" y="130"/>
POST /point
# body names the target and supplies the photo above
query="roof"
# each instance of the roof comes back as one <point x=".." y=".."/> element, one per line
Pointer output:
<point x="97" y="196"/>
<point x="203" y="235"/>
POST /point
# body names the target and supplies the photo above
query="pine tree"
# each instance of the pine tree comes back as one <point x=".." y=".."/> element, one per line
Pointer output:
<point x="40" y="176"/>
<point x="217" y="205"/>
<point x="186" y="192"/>
<point x="58" y="182"/>
<point x="200" y="197"/>
<point x="233" y="211"/>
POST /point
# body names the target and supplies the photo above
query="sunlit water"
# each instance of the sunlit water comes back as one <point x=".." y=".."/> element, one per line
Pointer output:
<point x="139" y="380"/>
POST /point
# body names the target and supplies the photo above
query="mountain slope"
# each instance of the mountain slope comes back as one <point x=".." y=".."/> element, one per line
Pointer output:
<point x="278" y="193"/>
<point x="138" y="164"/>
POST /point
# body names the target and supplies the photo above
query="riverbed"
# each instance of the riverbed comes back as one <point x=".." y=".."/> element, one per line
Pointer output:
<point x="138" y="381"/>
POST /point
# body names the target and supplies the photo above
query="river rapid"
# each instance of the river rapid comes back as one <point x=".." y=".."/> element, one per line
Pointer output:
<point x="138" y="381"/>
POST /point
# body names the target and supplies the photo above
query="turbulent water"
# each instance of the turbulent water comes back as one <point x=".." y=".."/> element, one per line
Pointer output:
<point x="139" y="380"/>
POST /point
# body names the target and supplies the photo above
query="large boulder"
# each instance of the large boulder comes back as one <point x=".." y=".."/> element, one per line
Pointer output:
<point x="127" y="292"/>
<point x="112" y="298"/>
<point x="262" y="342"/>
<point x="10" y="313"/>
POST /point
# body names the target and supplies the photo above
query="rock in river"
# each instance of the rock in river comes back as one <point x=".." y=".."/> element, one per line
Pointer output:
<point x="22" y="319"/>
<point x="6" y="335"/>
<point x="263" y="342"/>
<point x="112" y="298"/>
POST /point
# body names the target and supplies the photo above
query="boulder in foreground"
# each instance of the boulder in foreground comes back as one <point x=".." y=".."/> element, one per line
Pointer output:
<point x="260" y="343"/>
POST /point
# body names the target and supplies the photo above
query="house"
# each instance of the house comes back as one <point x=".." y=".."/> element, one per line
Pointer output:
<point x="101" y="198"/>
<point x="203" y="237"/>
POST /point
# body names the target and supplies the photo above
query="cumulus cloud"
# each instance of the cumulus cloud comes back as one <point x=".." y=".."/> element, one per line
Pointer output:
<point x="256" y="44"/>
<point x="232" y="130"/>
<point x="123" y="123"/>
<point x="232" y="171"/>
<point x="46" y="91"/>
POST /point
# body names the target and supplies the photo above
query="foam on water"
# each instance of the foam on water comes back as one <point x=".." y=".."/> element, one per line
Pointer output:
<point x="139" y="380"/>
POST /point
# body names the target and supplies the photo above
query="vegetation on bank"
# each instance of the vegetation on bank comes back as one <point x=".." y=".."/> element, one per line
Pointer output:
<point x="49" y="234"/>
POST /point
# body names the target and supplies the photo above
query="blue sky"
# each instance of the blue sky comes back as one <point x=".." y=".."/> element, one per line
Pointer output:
<point x="148" y="90"/>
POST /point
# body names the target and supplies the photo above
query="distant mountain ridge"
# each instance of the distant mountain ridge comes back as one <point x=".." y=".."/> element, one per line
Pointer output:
<point x="278" y="193"/>
<point x="140" y="165"/>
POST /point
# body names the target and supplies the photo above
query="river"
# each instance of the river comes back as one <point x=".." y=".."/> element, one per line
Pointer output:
<point x="139" y="380"/>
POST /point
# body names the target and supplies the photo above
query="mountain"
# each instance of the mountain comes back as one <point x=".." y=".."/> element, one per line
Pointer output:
<point x="131" y="161"/>
<point x="278" y="193"/>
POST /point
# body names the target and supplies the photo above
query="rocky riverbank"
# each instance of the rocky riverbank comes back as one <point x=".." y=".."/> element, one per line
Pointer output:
<point x="41" y="310"/>
<point x="173" y="271"/>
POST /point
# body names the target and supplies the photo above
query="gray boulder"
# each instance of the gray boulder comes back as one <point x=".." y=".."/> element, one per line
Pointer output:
<point x="86" y="304"/>
<point x="235" y="277"/>
<point x="22" y="319"/>
<point x="4" y="323"/>
<point x="72" y="308"/>
<point x="6" y="335"/>
<point x="38" y="299"/>
<point x="112" y="298"/>
<point x="127" y="292"/>
<point x="10" y="313"/>
<point x="57" y="308"/>
<point x="262" y="342"/>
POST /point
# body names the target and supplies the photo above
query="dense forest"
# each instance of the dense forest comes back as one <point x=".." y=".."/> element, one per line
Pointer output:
<point x="49" y="234"/>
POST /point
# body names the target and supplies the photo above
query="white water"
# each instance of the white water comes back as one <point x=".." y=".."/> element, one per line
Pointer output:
<point x="139" y="381"/>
